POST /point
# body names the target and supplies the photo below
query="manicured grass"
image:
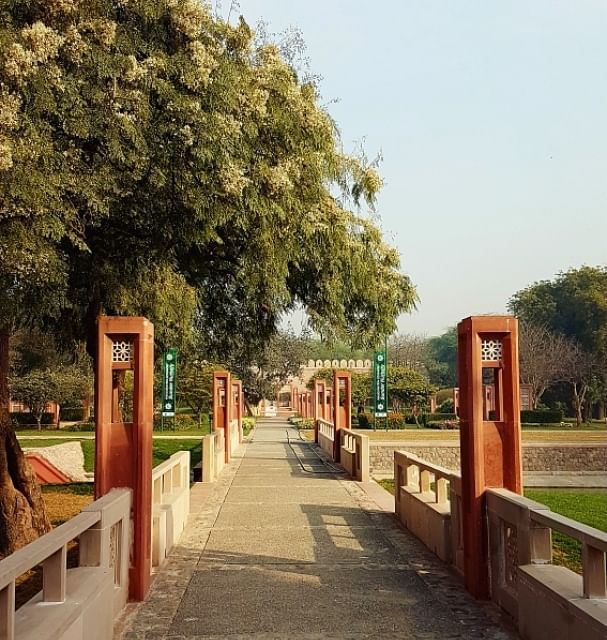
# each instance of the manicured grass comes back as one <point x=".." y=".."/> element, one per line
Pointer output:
<point x="162" y="449"/>
<point x="74" y="488"/>
<point x="52" y="433"/>
<point x="588" y="507"/>
<point x="387" y="484"/>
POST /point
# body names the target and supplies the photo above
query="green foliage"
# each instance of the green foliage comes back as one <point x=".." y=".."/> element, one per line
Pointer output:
<point x="443" y="350"/>
<point x="446" y="406"/>
<point x="303" y="423"/>
<point x="444" y="394"/>
<point x="248" y="425"/>
<point x="335" y="350"/>
<point x="154" y="160"/>
<point x="443" y="415"/>
<point x="574" y="304"/>
<point x="20" y="418"/>
<point x="321" y="374"/>
<point x="266" y="368"/>
<point x="442" y="424"/>
<point x="407" y="387"/>
<point x="195" y="385"/>
<point x="72" y="414"/>
<point x="35" y="390"/>
<point x="365" y="420"/>
<point x="542" y="416"/>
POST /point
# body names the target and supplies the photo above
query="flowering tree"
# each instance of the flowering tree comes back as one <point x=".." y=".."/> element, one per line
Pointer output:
<point x="164" y="162"/>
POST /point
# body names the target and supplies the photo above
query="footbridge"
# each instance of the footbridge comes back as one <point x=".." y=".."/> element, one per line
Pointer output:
<point x="287" y="545"/>
<point x="280" y="537"/>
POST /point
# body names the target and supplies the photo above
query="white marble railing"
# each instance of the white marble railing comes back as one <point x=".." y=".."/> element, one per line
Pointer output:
<point x="72" y="601"/>
<point x="170" y="503"/>
<point x="326" y="436"/>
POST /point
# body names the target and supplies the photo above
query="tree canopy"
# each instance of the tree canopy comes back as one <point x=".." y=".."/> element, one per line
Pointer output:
<point x="178" y="168"/>
<point x="573" y="305"/>
<point x="157" y="160"/>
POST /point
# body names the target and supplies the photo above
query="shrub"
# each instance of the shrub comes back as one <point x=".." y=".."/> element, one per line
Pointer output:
<point x="365" y="420"/>
<point x="446" y="406"/>
<point x="25" y="418"/>
<point x="542" y="416"/>
<point x="438" y="417"/>
<point x="396" y="420"/>
<point x="442" y="424"/>
<point x="72" y="414"/>
<point x="247" y="425"/>
<point x="420" y="422"/>
<point x="86" y="425"/>
<point x="181" y="422"/>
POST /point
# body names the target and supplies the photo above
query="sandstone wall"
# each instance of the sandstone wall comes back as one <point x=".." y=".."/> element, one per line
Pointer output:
<point x="536" y="457"/>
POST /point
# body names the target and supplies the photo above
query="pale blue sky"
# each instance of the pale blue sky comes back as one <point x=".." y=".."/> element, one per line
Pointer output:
<point x="491" y="118"/>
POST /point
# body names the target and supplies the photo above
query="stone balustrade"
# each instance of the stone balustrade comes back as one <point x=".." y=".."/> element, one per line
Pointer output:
<point x="74" y="603"/>
<point x="213" y="455"/>
<point x="546" y="600"/>
<point x="326" y="436"/>
<point x="428" y="502"/>
<point x="354" y="455"/>
<point x="170" y="503"/>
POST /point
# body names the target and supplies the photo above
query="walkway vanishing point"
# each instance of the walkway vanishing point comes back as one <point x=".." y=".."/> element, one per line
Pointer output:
<point x="285" y="546"/>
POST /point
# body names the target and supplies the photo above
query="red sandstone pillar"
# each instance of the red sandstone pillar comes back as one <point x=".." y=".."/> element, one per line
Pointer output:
<point x="222" y="401"/>
<point x="490" y="450"/>
<point x="319" y="405"/>
<point x="123" y="449"/>
<point x="238" y="405"/>
<point x="342" y="408"/>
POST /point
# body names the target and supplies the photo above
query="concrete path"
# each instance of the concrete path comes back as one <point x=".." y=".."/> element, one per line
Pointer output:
<point x="284" y="546"/>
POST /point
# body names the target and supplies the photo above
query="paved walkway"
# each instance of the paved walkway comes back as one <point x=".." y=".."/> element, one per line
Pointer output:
<point x="284" y="547"/>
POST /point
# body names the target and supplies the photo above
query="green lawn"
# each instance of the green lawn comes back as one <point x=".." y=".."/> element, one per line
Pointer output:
<point x="387" y="484"/>
<point x="589" y="507"/>
<point x="162" y="449"/>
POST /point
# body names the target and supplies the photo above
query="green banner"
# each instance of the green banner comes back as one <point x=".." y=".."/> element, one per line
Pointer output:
<point x="380" y="384"/>
<point x="169" y="383"/>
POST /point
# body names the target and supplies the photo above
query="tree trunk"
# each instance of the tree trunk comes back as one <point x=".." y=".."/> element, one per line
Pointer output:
<point x="578" y="402"/>
<point x="22" y="512"/>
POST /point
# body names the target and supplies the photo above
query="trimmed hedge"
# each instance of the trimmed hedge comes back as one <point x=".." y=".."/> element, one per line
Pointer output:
<point x="542" y="416"/>
<point x="25" y="418"/>
<point x="437" y="417"/>
<point x="72" y="414"/>
<point x="443" y="424"/>
<point x="537" y="416"/>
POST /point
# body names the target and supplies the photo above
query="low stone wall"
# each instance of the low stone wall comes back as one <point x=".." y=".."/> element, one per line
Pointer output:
<point x="536" y="457"/>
